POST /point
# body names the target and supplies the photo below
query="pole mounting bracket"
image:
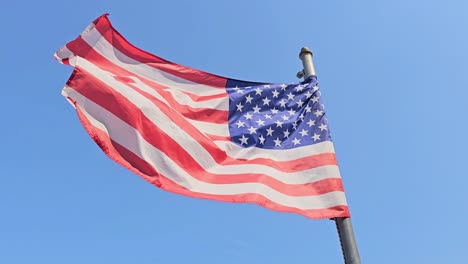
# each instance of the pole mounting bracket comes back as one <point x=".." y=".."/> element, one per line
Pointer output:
<point x="300" y="74"/>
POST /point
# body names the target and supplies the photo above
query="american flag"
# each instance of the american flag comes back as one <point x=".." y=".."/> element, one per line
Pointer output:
<point x="203" y="135"/>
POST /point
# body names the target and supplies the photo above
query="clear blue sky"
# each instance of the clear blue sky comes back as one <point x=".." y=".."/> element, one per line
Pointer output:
<point x="393" y="76"/>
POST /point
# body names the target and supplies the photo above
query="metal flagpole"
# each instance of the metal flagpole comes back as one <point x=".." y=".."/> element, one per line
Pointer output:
<point x="343" y="224"/>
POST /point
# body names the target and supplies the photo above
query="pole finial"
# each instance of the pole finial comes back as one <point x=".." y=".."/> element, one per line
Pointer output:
<point x="304" y="51"/>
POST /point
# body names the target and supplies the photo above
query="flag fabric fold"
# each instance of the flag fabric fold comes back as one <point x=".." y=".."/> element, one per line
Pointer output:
<point x="202" y="135"/>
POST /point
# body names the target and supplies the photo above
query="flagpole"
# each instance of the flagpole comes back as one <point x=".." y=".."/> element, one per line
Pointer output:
<point x="343" y="224"/>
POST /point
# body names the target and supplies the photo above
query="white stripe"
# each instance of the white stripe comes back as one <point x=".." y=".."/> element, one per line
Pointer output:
<point x="63" y="53"/>
<point x="214" y="129"/>
<point x="183" y="99"/>
<point x="134" y="142"/>
<point x="103" y="47"/>
<point x="236" y="151"/>
<point x="121" y="131"/>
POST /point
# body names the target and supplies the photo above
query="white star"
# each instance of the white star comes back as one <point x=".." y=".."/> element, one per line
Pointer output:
<point x="266" y="86"/>
<point x="308" y="109"/>
<point x="299" y="88"/>
<point x="266" y="101"/>
<point x="238" y="90"/>
<point x="290" y="96"/>
<point x="269" y="131"/>
<point x="296" y="141"/>
<point x="291" y="111"/>
<point x="275" y="93"/>
<point x="256" y="109"/>
<point x="248" y="99"/>
<point x="301" y="116"/>
<point x="260" y="122"/>
<point x="286" y="133"/>
<point x="300" y="103"/>
<point x="243" y="140"/>
<point x="267" y="116"/>
<point x="308" y="94"/>
<point x="240" y="124"/>
<point x="283" y="103"/>
<point x="315" y="88"/>
<point x="274" y="110"/>
<point x="262" y="139"/>
<point x="285" y="117"/>
<point x="279" y="123"/>
<point x="295" y="125"/>
<point x="258" y="91"/>
<point x="283" y="86"/>
<point x="303" y="132"/>
<point x="323" y="127"/>
<point x="315" y="99"/>
<point x="318" y="112"/>
<point x="239" y="107"/>
<point x="248" y="116"/>
<point x="277" y="142"/>
<point x="252" y="130"/>
<point x="316" y="137"/>
<point x="311" y="123"/>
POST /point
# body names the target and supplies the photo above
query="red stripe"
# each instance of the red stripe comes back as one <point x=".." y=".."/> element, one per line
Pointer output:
<point x="104" y="26"/>
<point x="140" y="167"/>
<point x="200" y="114"/>
<point x="200" y="98"/>
<point x="219" y="138"/>
<point x="106" y="97"/>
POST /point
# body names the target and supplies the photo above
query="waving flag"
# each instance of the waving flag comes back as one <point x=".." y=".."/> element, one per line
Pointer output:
<point x="202" y="135"/>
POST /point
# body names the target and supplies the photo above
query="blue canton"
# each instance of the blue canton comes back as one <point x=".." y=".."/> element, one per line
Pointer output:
<point x="276" y="116"/>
